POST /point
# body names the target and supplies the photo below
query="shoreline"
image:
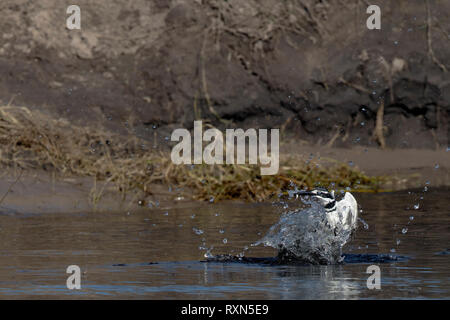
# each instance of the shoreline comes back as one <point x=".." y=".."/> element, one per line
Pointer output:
<point x="412" y="168"/>
<point x="39" y="191"/>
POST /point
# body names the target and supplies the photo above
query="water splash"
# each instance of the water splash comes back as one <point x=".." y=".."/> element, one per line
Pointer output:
<point x="208" y="254"/>
<point x="364" y="223"/>
<point x="305" y="235"/>
<point x="197" y="231"/>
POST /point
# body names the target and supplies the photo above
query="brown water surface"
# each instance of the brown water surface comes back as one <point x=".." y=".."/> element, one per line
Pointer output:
<point x="115" y="251"/>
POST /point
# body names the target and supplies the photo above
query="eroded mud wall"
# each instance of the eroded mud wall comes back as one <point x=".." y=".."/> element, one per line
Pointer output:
<point x="309" y="67"/>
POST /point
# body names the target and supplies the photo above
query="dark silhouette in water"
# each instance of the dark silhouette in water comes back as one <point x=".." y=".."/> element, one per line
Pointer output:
<point x="284" y="260"/>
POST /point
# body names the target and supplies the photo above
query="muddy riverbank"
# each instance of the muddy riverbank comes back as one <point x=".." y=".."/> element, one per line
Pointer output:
<point x="373" y="99"/>
<point x="38" y="191"/>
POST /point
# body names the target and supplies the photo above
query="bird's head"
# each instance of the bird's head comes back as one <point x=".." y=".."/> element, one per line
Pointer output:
<point x="324" y="197"/>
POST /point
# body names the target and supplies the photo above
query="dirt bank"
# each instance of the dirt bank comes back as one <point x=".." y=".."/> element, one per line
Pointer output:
<point x="309" y="67"/>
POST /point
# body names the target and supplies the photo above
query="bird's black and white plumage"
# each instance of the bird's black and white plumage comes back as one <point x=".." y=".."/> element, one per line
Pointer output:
<point x="343" y="212"/>
<point x="314" y="234"/>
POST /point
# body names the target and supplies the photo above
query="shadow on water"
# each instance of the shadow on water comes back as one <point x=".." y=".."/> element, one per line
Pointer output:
<point x="158" y="253"/>
<point x="348" y="258"/>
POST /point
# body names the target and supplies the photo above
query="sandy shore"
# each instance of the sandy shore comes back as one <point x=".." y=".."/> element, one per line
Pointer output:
<point x="412" y="167"/>
<point x="41" y="192"/>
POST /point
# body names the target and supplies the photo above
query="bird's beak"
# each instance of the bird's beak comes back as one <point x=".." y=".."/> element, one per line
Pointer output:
<point x="304" y="193"/>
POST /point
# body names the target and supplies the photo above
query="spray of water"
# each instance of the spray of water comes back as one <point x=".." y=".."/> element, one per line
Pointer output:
<point x="305" y="235"/>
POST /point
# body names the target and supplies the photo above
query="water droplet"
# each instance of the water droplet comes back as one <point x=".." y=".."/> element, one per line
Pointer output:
<point x="225" y="241"/>
<point x="365" y="224"/>
<point x="197" y="231"/>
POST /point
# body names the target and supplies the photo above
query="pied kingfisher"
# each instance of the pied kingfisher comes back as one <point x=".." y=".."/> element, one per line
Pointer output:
<point x="343" y="213"/>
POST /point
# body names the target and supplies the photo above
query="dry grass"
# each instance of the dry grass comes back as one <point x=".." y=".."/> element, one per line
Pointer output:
<point x="245" y="182"/>
<point x="32" y="140"/>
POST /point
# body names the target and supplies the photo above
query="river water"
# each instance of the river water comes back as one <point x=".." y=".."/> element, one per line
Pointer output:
<point x="158" y="253"/>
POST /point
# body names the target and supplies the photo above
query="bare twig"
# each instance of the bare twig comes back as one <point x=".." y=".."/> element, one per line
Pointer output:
<point x="444" y="32"/>
<point x="334" y="137"/>
<point x="354" y="86"/>
<point x="379" y="126"/>
<point x="204" y="82"/>
<point x="430" y="48"/>
<point x="11" y="186"/>
<point x="388" y="75"/>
